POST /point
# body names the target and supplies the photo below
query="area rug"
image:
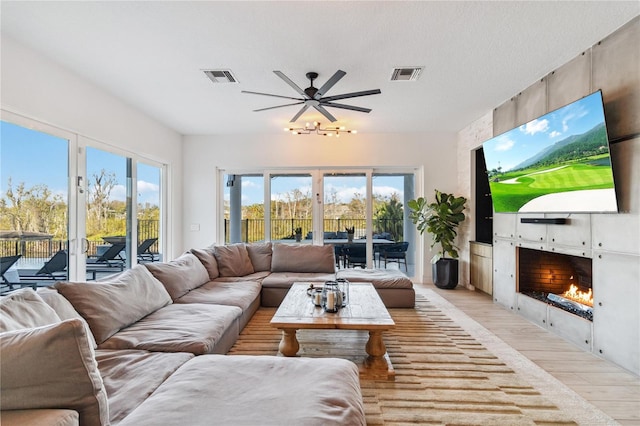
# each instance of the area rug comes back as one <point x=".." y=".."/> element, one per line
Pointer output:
<point x="449" y="370"/>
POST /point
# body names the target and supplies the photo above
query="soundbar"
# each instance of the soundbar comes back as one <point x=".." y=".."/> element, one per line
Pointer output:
<point x="545" y="220"/>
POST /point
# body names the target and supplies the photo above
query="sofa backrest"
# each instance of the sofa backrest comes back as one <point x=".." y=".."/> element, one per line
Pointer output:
<point x="180" y="275"/>
<point x="111" y="306"/>
<point x="233" y="260"/>
<point x="208" y="260"/>
<point x="303" y="258"/>
<point x="24" y="308"/>
<point x="260" y="255"/>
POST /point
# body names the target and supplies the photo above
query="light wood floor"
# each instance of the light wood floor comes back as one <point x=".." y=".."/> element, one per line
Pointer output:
<point x="605" y="385"/>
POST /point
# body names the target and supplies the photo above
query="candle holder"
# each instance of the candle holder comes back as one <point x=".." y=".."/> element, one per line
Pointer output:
<point x="331" y="296"/>
<point x="343" y="284"/>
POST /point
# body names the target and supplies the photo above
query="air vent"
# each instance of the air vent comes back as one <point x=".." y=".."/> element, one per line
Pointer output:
<point x="220" y="76"/>
<point x="406" y="74"/>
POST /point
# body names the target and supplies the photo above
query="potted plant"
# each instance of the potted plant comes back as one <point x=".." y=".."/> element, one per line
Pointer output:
<point x="441" y="219"/>
<point x="350" y="232"/>
<point x="298" y="234"/>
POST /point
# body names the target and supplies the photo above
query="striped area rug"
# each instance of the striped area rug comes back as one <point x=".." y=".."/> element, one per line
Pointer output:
<point x="445" y="371"/>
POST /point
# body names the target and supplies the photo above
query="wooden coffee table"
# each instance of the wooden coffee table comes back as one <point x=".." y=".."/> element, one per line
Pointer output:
<point x="365" y="311"/>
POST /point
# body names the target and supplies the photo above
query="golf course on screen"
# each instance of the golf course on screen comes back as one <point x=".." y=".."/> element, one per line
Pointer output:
<point x="514" y="189"/>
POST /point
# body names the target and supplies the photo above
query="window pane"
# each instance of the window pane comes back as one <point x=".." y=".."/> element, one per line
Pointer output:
<point x="149" y="214"/>
<point x="33" y="203"/>
<point x="107" y="210"/>
<point x="291" y="207"/>
<point x="243" y="208"/>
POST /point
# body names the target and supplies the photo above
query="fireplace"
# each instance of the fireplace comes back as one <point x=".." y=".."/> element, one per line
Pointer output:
<point x="560" y="280"/>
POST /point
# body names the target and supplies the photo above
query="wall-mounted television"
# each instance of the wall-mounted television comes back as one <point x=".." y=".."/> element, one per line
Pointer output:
<point x="558" y="163"/>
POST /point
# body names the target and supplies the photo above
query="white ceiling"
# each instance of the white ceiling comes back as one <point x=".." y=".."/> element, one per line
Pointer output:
<point x="150" y="54"/>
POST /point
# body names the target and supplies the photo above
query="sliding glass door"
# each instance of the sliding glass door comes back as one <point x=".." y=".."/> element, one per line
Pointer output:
<point x="34" y="203"/>
<point x="320" y="206"/>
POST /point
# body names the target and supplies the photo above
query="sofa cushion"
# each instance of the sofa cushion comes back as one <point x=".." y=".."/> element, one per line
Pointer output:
<point x="50" y="367"/>
<point x="25" y="309"/>
<point x="256" y="276"/>
<point x="380" y="278"/>
<point x="180" y="275"/>
<point x="208" y="260"/>
<point x="303" y="258"/>
<point x="111" y="306"/>
<point x="194" y="327"/>
<point x="238" y="293"/>
<point x="130" y="376"/>
<point x="64" y="308"/>
<point x="233" y="260"/>
<point x="285" y="279"/>
<point x="256" y="390"/>
<point x="260" y="255"/>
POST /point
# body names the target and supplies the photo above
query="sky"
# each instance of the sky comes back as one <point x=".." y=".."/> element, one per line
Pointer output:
<point x="34" y="157"/>
<point x="513" y="147"/>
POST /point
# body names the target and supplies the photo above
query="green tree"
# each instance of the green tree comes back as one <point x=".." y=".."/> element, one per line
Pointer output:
<point x="389" y="217"/>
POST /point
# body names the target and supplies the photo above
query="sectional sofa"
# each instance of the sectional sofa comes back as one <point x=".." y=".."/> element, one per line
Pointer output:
<point x="146" y="346"/>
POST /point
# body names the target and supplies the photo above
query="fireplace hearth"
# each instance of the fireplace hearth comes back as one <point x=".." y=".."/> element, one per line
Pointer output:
<point x="560" y="280"/>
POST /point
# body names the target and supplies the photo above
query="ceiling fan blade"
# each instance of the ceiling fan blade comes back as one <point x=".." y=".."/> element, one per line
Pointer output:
<point x="269" y="94"/>
<point x="343" y="106"/>
<point x="302" y="110"/>
<point x="329" y="84"/>
<point x="326" y="113"/>
<point x="292" y="84"/>
<point x="278" y="106"/>
<point x="351" y="95"/>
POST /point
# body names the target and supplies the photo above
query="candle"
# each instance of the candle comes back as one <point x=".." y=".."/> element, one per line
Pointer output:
<point x="331" y="304"/>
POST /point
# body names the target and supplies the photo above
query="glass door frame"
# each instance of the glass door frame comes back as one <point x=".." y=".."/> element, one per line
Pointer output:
<point x="75" y="243"/>
<point x="317" y="175"/>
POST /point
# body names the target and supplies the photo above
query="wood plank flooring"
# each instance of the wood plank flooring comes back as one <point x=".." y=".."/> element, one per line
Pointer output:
<point x="612" y="389"/>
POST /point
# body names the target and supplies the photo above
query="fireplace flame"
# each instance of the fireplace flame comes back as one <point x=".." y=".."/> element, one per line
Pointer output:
<point x="586" y="298"/>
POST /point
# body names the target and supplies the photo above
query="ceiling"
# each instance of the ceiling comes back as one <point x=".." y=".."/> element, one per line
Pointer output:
<point x="151" y="54"/>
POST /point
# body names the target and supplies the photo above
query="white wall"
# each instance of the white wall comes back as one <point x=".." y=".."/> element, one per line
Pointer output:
<point x="38" y="88"/>
<point x="434" y="152"/>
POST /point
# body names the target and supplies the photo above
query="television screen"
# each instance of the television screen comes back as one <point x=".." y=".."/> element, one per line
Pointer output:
<point x="556" y="163"/>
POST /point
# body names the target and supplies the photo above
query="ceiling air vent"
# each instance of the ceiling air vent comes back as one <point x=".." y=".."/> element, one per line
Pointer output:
<point x="406" y="74"/>
<point x="220" y="76"/>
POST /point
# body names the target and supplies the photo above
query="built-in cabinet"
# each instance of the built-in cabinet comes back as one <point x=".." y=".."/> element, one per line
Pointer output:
<point x="481" y="264"/>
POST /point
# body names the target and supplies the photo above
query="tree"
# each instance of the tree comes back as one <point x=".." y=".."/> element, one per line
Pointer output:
<point x="99" y="193"/>
<point x="389" y="217"/>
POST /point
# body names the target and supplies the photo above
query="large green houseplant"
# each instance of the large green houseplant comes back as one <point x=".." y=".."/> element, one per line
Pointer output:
<point x="441" y="219"/>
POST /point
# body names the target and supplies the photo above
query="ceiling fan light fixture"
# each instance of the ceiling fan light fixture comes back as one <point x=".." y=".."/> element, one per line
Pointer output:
<point x="316" y="129"/>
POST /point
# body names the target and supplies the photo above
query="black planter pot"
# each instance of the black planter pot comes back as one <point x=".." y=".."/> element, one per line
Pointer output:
<point x="445" y="273"/>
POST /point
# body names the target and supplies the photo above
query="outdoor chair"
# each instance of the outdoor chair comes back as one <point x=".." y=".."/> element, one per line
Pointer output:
<point x="111" y="257"/>
<point x="339" y="252"/>
<point x="57" y="263"/>
<point x="7" y="262"/>
<point x="355" y="255"/>
<point x="144" y="251"/>
<point x="394" y="253"/>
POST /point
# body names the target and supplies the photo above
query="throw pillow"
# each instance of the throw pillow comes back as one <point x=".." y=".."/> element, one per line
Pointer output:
<point x="208" y="259"/>
<point x="260" y="255"/>
<point x="233" y="260"/>
<point x="303" y="258"/>
<point x="64" y="308"/>
<point x="52" y="367"/>
<point x="180" y="275"/>
<point x="111" y="306"/>
<point x="25" y="309"/>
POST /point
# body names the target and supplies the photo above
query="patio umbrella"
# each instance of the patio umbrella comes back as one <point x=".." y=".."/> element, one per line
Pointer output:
<point x="24" y="235"/>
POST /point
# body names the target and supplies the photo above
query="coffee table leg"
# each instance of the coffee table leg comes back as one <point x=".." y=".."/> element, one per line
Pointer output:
<point x="376" y="350"/>
<point x="289" y="344"/>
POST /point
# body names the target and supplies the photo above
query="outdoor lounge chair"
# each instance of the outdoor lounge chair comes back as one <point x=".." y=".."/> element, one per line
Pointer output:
<point x="110" y="258"/>
<point x="144" y="251"/>
<point x="57" y="263"/>
<point x="6" y="263"/>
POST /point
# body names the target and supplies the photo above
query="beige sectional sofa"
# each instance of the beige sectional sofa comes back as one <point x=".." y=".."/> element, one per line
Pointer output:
<point x="144" y="347"/>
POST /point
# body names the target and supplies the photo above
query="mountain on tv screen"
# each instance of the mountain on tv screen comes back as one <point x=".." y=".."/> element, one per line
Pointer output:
<point x="559" y="162"/>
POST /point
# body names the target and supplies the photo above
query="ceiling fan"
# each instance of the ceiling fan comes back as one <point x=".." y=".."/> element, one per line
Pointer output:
<point x="314" y="97"/>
